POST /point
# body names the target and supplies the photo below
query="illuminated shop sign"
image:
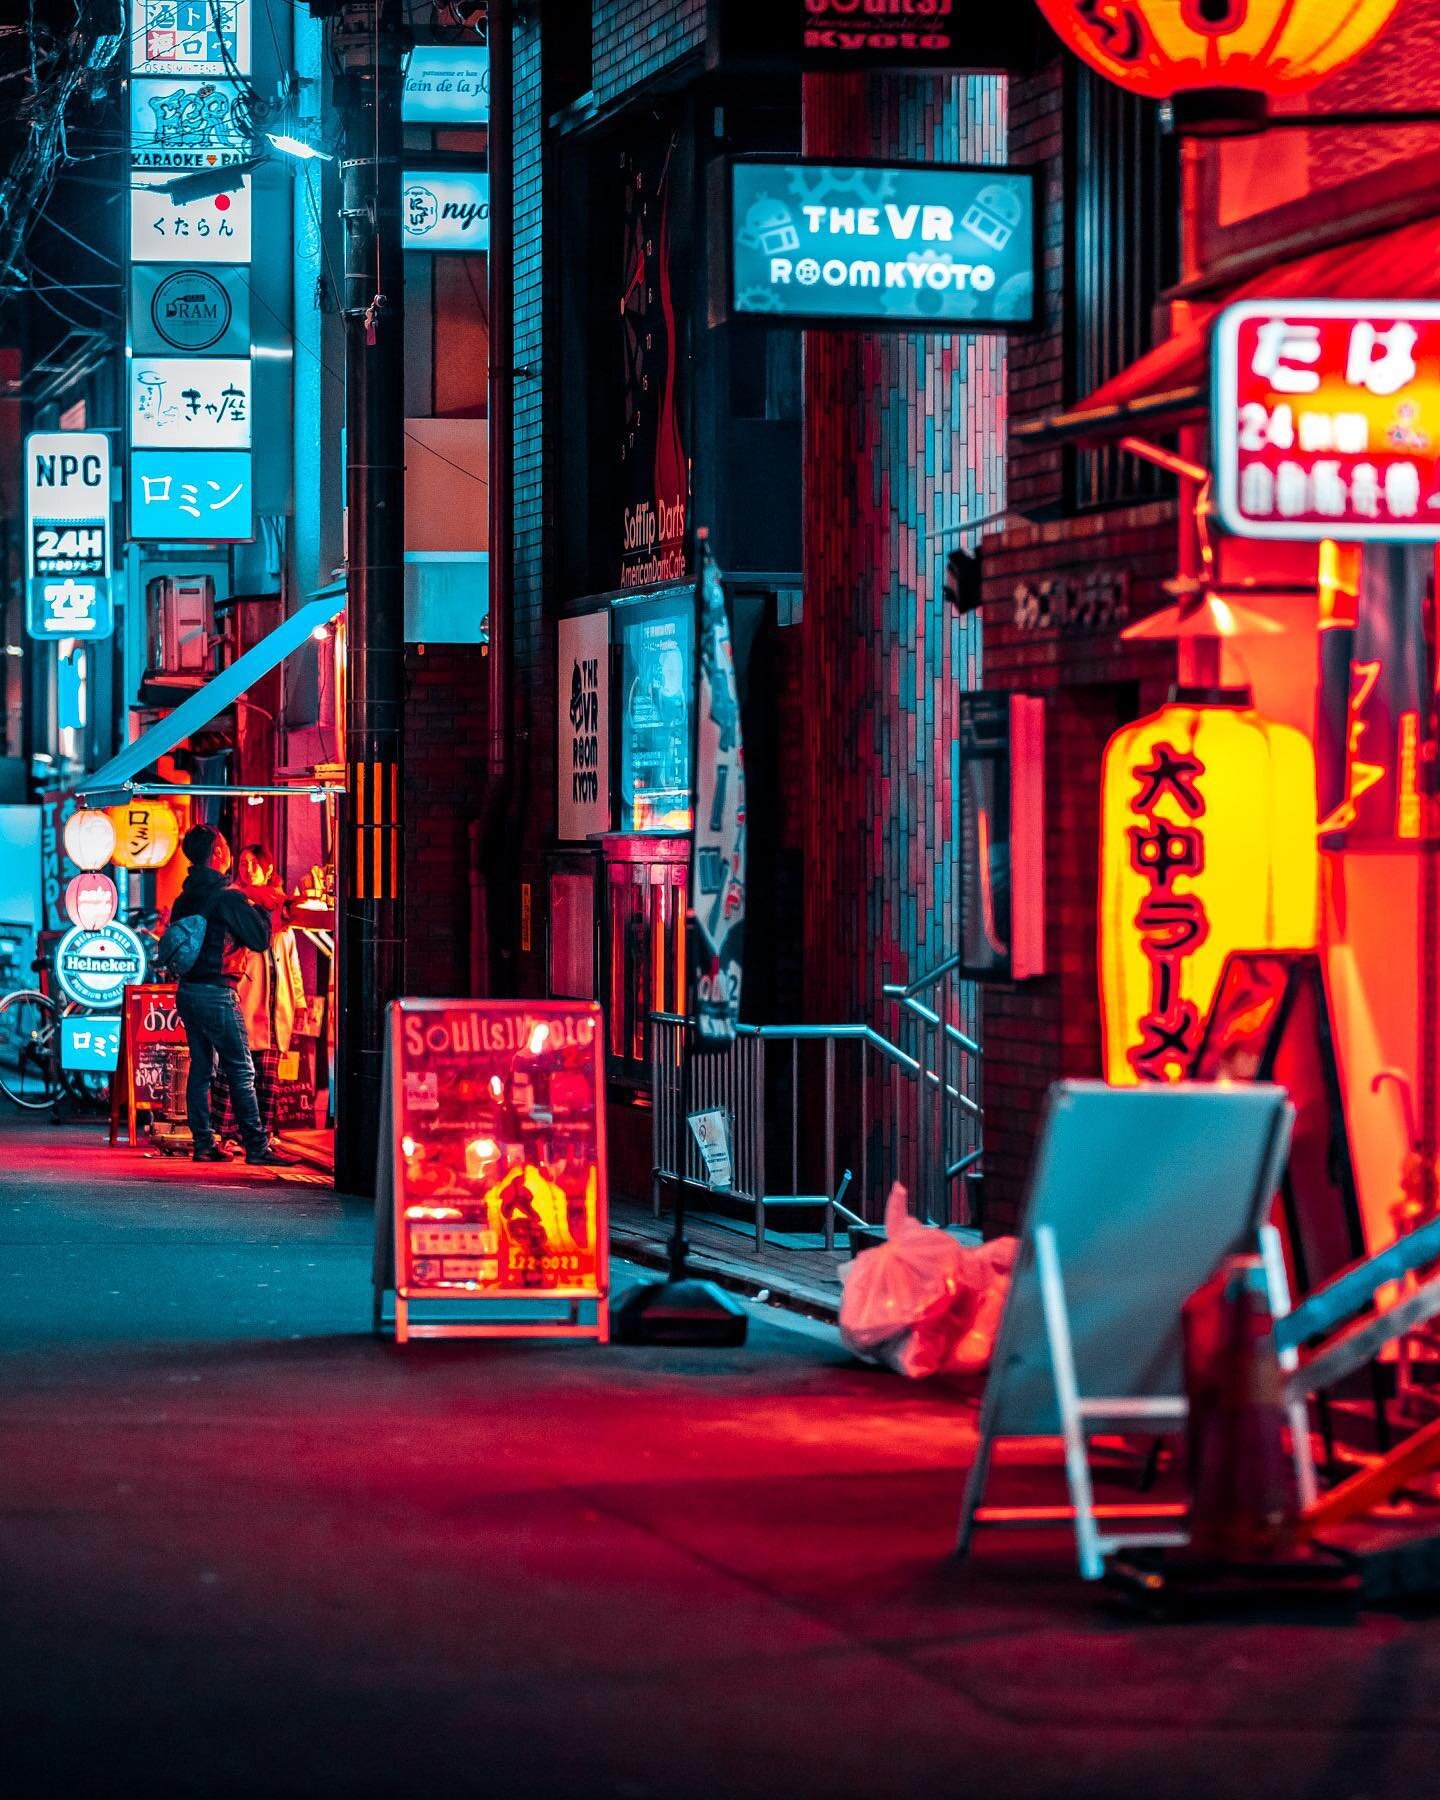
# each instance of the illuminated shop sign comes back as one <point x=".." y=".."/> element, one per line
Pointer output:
<point x="445" y="209"/>
<point x="212" y="229"/>
<point x="582" y="771"/>
<point x="188" y="123"/>
<point x="94" y="968"/>
<point x="656" y="683"/>
<point x="197" y="496"/>
<point x="190" y="402"/>
<point x="190" y="37"/>
<point x="189" y="310"/>
<point x="67" y="534"/>
<point x="1208" y="845"/>
<point x="91" y="1043"/>
<point x="885" y="245"/>
<point x="446" y="87"/>
<point x="1327" y="419"/>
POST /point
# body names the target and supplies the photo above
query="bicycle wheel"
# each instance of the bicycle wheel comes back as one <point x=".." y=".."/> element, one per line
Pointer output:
<point x="28" y="1059"/>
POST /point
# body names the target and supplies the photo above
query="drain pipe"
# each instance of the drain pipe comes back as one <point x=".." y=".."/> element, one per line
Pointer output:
<point x="489" y="870"/>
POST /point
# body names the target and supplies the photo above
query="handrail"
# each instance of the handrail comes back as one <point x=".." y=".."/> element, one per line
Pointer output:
<point x="931" y="1017"/>
<point x="895" y="991"/>
<point x="813" y="1033"/>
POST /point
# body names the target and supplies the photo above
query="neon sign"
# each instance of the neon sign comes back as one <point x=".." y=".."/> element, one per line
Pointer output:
<point x="1327" y="419"/>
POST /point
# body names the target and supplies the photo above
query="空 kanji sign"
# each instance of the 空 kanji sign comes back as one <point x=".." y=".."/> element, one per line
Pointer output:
<point x="67" y="535"/>
<point x="1326" y="419"/>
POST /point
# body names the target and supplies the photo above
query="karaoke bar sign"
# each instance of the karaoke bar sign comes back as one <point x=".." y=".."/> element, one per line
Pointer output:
<point x="1327" y="419"/>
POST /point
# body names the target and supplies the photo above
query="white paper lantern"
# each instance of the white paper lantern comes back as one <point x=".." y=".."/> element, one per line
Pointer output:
<point x="89" y="838"/>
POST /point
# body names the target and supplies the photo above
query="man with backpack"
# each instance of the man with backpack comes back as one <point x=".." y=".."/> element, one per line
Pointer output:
<point x="209" y="920"/>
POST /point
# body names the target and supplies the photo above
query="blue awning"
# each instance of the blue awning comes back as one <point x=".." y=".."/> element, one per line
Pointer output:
<point x="112" y="783"/>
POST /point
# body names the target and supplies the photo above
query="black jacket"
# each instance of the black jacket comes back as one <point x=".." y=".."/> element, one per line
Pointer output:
<point x="232" y="920"/>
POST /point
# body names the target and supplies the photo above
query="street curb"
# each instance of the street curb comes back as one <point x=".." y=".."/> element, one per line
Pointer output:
<point x="774" y="1291"/>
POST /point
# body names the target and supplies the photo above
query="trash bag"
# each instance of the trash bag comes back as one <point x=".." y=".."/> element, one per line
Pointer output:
<point x="922" y="1302"/>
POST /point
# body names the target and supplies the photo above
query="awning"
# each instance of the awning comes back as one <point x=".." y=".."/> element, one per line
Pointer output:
<point x="111" y="783"/>
<point x="1170" y="385"/>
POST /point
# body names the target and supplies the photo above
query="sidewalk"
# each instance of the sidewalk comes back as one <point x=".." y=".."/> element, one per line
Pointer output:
<point x="246" y="1548"/>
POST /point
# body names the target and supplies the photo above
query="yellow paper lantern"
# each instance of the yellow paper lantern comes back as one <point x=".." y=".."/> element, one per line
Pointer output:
<point x="1208" y="845"/>
<point x="1160" y="48"/>
<point x="89" y="838"/>
<point x="147" y="834"/>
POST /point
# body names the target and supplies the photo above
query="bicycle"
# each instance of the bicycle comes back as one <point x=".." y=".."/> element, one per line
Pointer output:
<point x="30" y="1072"/>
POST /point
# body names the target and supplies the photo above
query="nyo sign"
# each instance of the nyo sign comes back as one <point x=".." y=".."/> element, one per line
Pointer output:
<point x="445" y="209"/>
<point x="1327" y="419"/>
<point x="886" y="245"/>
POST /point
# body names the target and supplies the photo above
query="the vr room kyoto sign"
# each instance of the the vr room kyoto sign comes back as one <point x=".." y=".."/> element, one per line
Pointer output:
<point x="1327" y="419"/>
<point x="882" y="245"/>
<point x="67" y="536"/>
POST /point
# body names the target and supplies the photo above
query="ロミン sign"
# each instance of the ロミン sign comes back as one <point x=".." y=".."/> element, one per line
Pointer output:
<point x="876" y="244"/>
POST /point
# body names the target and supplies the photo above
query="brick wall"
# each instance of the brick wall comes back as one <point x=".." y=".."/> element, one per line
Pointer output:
<point x="1039" y="1031"/>
<point x="635" y="40"/>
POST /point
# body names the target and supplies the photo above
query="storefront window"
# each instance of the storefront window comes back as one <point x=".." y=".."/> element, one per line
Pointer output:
<point x="645" y="933"/>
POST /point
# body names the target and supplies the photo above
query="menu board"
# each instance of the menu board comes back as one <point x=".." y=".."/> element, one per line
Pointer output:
<point x="153" y="1056"/>
<point x="492" y="1179"/>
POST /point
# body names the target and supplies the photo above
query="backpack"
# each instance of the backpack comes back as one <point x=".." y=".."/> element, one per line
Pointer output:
<point x="181" y="942"/>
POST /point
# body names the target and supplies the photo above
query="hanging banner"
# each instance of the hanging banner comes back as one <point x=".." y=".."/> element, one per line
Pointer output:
<point x="212" y="229"/>
<point x="1326" y="419"/>
<point x="582" y="768"/>
<point x="190" y="37"/>
<point x="492" y="1178"/>
<point x="1389" y="710"/>
<point x="717" y="867"/>
<point x="189" y="403"/>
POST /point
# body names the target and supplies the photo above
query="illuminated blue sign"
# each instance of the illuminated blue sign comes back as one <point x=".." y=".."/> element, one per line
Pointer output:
<point x="446" y="87"/>
<point x="882" y="244"/>
<point x="91" y="1042"/>
<point x="201" y="496"/>
<point x="445" y="209"/>
<point x="70" y="606"/>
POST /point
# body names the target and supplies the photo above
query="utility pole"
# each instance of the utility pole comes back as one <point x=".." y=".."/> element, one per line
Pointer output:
<point x="370" y="916"/>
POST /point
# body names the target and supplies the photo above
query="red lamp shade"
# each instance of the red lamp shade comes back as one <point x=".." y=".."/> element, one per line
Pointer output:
<point x="1161" y="48"/>
<point x="90" y="901"/>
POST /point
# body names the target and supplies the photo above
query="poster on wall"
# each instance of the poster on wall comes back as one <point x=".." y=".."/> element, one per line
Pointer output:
<point x="493" y="1172"/>
<point x="882" y="245"/>
<point x="717" y="873"/>
<point x="657" y="646"/>
<point x="582" y="766"/>
<point x="653" y="489"/>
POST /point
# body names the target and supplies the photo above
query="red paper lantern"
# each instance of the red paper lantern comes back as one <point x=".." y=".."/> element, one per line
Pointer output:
<point x="1161" y="48"/>
<point x="91" y="901"/>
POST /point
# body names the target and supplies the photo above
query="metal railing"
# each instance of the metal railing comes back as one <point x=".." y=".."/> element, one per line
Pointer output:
<point x="810" y="1109"/>
<point x="951" y="1123"/>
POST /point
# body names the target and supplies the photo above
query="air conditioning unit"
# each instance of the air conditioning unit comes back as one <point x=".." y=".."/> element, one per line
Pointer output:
<point x="181" y="612"/>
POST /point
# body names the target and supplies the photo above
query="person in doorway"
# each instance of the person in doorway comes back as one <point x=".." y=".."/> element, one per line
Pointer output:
<point x="206" y="999"/>
<point x="270" y="987"/>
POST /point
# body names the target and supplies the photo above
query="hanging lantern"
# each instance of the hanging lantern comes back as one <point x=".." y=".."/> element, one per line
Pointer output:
<point x="89" y="838"/>
<point x="1164" y="48"/>
<point x="91" y="901"/>
<point x="1208" y="845"/>
<point x="147" y="834"/>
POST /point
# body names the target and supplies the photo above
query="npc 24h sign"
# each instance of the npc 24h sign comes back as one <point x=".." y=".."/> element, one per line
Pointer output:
<point x="94" y="968"/>
<point x="67" y="534"/>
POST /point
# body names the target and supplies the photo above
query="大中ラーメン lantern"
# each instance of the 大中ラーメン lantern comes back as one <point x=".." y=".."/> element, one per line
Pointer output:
<point x="91" y="901"/>
<point x="147" y="834"/>
<point x="1164" y="48"/>
<point x="1208" y="845"/>
<point x="89" y="838"/>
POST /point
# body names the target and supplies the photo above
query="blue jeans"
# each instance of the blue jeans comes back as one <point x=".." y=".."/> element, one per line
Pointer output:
<point x="215" y="1030"/>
